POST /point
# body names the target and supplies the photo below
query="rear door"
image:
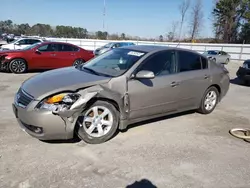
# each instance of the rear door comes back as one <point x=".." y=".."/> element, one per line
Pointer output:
<point x="194" y="78"/>
<point x="66" y="55"/>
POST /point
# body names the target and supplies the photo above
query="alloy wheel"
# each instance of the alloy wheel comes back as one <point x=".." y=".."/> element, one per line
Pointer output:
<point x="78" y="62"/>
<point x="210" y="100"/>
<point x="18" y="66"/>
<point x="97" y="121"/>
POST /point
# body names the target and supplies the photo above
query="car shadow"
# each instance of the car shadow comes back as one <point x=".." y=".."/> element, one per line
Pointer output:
<point x="237" y="81"/>
<point x="153" y="120"/>
<point x="144" y="183"/>
<point x="74" y="140"/>
<point x="30" y="71"/>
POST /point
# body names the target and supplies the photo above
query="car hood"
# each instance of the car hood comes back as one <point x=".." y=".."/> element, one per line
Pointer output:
<point x="60" y="80"/>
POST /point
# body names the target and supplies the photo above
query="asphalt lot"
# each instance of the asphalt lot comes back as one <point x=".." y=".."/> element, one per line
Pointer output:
<point x="189" y="150"/>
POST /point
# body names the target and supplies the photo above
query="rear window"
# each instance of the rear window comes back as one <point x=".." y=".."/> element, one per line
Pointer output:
<point x="211" y="52"/>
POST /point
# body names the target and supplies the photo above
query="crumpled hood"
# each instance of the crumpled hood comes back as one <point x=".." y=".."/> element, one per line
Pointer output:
<point x="59" y="80"/>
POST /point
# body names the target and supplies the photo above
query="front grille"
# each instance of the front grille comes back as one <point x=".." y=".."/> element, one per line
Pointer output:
<point x="23" y="99"/>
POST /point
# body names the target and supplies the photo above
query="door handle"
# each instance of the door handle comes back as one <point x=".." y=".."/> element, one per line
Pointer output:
<point x="206" y="77"/>
<point x="174" y="84"/>
<point x="52" y="54"/>
<point x="72" y="54"/>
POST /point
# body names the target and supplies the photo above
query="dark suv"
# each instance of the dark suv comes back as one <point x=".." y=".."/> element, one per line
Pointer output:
<point x="243" y="72"/>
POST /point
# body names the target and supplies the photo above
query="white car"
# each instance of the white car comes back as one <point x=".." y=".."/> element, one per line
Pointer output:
<point x="20" y="43"/>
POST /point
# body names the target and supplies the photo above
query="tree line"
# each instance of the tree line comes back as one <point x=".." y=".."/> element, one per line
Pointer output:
<point x="46" y="30"/>
<point x="230" y="24"/>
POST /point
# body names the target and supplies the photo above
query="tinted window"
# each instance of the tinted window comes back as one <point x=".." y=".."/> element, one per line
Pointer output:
<point x="67" y="48"/>
<point x="162" y="63"/>
<point x="188" y="61"/>
<point x="204" y="63"/>
<point x="33" y="41"/>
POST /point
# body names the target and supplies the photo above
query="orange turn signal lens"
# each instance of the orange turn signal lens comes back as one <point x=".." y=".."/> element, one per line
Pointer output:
<point x="55" y="99"/>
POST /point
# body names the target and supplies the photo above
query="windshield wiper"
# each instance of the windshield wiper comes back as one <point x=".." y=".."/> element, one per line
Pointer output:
<point x="96" y="73"/>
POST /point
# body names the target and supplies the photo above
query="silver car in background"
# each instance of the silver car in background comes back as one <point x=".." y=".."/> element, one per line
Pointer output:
<point x="120" y="87"/>
<point x="218" y="56"/>
<point x="111" y="46"/>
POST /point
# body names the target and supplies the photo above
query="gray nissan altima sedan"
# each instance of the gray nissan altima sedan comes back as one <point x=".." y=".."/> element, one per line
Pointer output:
<point x="118" y="88"/>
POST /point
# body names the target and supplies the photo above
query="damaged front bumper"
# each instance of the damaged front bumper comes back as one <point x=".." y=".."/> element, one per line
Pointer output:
<point x="45" y="124"/>
<point x="4" y="64"/>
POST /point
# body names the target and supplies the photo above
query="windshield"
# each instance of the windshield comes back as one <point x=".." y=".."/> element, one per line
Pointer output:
<point x="113" y="63"/>
<point x="31" y="46"/>
<point x="13" y="41"/>
<point x="107" y="45"/>
<point x="211" y="52"/>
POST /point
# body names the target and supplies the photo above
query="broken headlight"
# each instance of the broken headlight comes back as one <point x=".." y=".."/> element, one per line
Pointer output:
<point x="59" y="102"/>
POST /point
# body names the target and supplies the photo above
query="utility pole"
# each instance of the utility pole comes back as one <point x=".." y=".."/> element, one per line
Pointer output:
<point x="104" y="14"/>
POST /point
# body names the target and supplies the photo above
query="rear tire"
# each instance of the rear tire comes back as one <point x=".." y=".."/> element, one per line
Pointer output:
<point x="209" y="101"/>
<point x="78" y="62"/>
<point x="94" y="127"/>
<point x="227" y="61"/>
<point x="18" y="66"/>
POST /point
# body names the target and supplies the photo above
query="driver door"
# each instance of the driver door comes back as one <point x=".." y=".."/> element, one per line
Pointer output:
<point x="45" y="57"/>
<point x="158" y="95"/>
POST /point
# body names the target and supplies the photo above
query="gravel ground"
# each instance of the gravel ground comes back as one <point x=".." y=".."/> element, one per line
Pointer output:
<point x="188" y="150"/>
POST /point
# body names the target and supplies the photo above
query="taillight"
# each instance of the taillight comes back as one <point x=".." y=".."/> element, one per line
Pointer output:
<point x="225" y="69"/>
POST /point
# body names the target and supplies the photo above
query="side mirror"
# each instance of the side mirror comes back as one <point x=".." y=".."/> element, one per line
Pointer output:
<point x="17" y="43"/>
<point x="144" y="74"/>
<point x="37" y="51"/>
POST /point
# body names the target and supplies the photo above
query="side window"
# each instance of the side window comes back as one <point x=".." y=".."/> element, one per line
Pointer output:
<point x="204" y="63"/>
<point x="33" y="41"/>
<point x="44" y="48"/>
<point x="188" y="61"/>
<point x="22" y="42"/>
<point x="54" y="47"/>
<point x="67" y="48"/>
<point x="224" y="53"/>
<point x="160" y="64"/>
<point x="117" y="45"/>
<point x="48" y="48"/>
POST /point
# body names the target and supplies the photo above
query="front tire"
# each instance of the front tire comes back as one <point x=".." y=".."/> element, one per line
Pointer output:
<point x="98" y="123"/>
<point x="209" y="101"/>
<point x="18" y="66"/>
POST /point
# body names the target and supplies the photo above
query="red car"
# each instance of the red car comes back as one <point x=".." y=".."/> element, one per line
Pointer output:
<point x="45" y="55"/>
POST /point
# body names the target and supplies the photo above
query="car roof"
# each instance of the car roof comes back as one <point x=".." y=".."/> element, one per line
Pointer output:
<point x="29" y="38"/>
<point x="155" y="48"/>
<point x="49" y="42"/>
